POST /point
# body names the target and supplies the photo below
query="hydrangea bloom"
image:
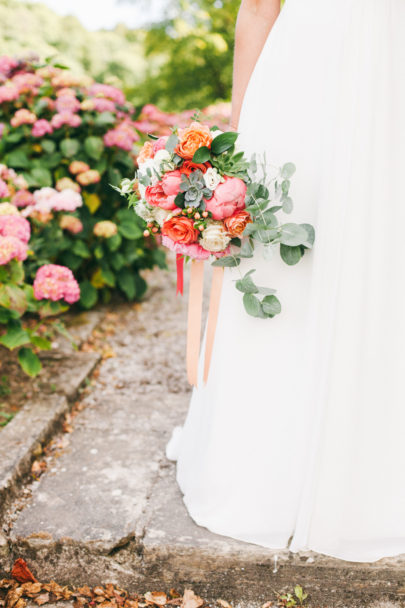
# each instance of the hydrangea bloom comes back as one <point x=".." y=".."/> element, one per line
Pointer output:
<point x="8" y="209"/>
<point x="88" y="177"/>
<point x="23" y="198"/>
<point x="78" y="166"/>
<point x="41" y="127"/>
<point x="8" y="92"/>
<point x="65" y="118"/>
<point x="11" y="247"/>
<point x="23" y="117"/>
<point x="123" y="136"/>
<point x="28" y="82"/>
<point x="108" y="91"/>
<point x="71" y="224"/>
<point x="66" y="182"/>
<point x="105" y="229"/>
<point x="54" y="282"/>
<point x="4" y="191"/>
<point x="15" y="225"/>
<point x="7" y="64"/>
<point x="67" y="103"/>
<point x="67" y="200"/>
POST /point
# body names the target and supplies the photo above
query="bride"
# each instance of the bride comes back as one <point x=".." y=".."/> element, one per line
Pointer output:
<point x="297" y="439"/>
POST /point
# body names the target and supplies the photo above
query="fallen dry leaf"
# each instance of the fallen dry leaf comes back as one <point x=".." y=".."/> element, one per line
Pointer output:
<point x="41" y="599"/>
<point x="79" y="602"/>
<point x="191" y="600"/>
<point x="21" y="572"/>
<point x="85" y="590"/>
<point x="38" y="467"/>
<point x="224" y="603"/>
<point x="21" y="603"/>
<point x="156" y="597"/>
<point x="267" y="604"/>
<point x="173" y="593"/>
<point x="31" y="589"/>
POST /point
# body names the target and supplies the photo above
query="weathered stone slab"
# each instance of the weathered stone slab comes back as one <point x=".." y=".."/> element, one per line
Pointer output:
<point x="72" y="370"/>
<point x="18" y="440"/>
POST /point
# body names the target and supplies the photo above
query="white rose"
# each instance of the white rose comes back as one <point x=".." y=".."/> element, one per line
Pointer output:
<point x="142" y="190"/>
<point x="214" y="237"/>
<point x="160" y="156"/>
<point x="212" y="178"/>
<point x="144" y="211"/>
<point x="160" y="215"/>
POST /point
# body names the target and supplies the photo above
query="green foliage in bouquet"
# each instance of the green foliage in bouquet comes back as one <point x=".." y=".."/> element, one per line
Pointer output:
<point x="71" y="136"/>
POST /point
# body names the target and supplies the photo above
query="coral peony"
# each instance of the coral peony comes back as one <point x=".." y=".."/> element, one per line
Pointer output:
<point x="78" y="166"/>
<point x="54" y="282"/>
<point x="156" y="197"/>
<point x="228" y="198"/>
<point x="11" y="247"/>
<point x="171" y="183"/>
<point x="236" y="224"/>
<point x="71" y="224"/>
<point x="15" y="225"/>
<point x="181" y="230"/>
<point x="191" y="138"/>
<point x="105" y="229"/>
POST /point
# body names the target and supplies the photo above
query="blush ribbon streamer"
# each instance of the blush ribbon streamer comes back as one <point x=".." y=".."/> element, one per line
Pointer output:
<point x="195" y="315"/>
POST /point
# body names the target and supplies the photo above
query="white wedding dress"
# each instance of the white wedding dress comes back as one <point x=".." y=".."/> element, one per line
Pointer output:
<point x="298" y="438"/>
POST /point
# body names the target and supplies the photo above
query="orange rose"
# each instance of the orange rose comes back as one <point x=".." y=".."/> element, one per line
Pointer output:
<point x="236" y="224"/>
<point x="145" y="153"/>
<point x="180" y="229"/>
<point x="188" y="167"/>
<point x="193" y="137"/>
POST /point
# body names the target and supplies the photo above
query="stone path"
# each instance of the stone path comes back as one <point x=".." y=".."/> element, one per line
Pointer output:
<point x="108" y="508"/>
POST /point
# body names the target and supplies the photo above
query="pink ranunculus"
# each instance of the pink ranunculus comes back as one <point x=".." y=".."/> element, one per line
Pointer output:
<point x="228" y="198"/>
<point x="156" y="197"/>
<point x="171" y="184"/>
<point x="11" y="247"/>
<point x="15" y="225"/>
<point x="159" y="144"/>
<point x="4" y="191"/>
<point x="23" y="198"/>
<point x="194" y="250"/>
<point x="54" y="282"/>
<point x="41" y="127"/>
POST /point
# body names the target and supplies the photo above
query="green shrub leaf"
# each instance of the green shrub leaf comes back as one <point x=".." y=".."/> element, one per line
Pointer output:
<point x="29" y="361"/>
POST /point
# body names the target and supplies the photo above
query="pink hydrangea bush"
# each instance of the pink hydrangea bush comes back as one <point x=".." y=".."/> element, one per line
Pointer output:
<point x="54" y="282"/>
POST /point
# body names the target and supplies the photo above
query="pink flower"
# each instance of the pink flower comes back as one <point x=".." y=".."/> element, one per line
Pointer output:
<point x="4" y="191"/>
<point x="7" y="64"/>
<point x="15" y="225"/>
<point x="65" y="118"/>
<point x="43" y="200"/>
<point x="71" y="224"/>
<point x="9" y="92"/>
<point x="194" y="250"/>
<point x="23" y="198"/>
<point x="23" y="117"/>
<point x="228" y="198"/>
<point x="144" y="126"/>
<point x="88" y="177"/>
<point x="11" y="247"/>
<point x="28" y="82"/>
<point x="107" y="91"/>
<point x="156" y="197"/>
<point x="67" y="103"/>
<point x="41" y="127"/>
<point x="67" y="200"/>
<point x="159" y="144"/>
<point x="171" y="184"/>
<point x="54" y="282"/>
<point x="78" y="166"/>
<point x="123" y="136"/>
<point x="103" y="105"/>
<point x="66" y="182"/>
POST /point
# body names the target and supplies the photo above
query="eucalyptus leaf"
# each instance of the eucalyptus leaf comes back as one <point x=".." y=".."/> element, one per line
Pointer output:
<point x="288" y="170"/>
<point x="246" y="285"/>
<point x="252" y="305"/>
<point x="228" y="261"/>
<point x="311" y="235"/>
<point x="171" y="143"/>
<point x="271" y="305"/>
<point x="293" y="234"/>
<point x="290" y="255"/>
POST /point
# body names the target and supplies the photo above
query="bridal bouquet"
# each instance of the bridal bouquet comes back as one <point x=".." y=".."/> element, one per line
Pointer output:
<point x="208" y="201"/>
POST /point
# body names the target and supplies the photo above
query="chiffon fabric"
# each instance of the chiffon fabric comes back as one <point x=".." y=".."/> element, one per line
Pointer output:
<point x="297" y="439"/>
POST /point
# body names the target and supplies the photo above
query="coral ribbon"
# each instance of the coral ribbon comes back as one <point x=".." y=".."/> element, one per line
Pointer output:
<point x="194" y="319"/>
<point x="180" y="273"/>
<point x="215" y="298"/>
